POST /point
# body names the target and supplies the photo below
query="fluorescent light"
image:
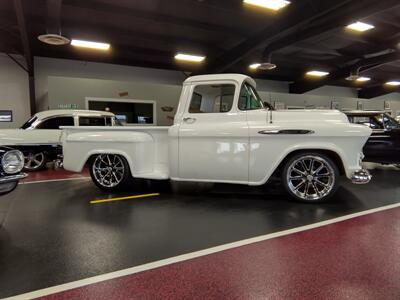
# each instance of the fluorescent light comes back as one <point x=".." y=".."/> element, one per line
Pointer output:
<point x="270" y="4"/>
<point x="317" y="73"/>
<point x="360" y="26"/>
<point x="362" y="79"/>
<point x="189" y="57"/>
<point x="92" y="45"/>
<point x="393" y="83"/>
<point x="254" y="66"/>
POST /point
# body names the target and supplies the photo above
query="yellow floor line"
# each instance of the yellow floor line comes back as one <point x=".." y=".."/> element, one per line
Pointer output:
<point x="124" y="198"/>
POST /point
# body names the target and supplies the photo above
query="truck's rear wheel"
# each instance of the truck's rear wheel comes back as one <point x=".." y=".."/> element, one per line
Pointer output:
<point x="110" y="172"/>
<point x="310" y="177"/>
<point x="34" y="161"/>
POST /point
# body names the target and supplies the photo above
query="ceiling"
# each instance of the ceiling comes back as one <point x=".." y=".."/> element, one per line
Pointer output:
<point x="304" y="35"/>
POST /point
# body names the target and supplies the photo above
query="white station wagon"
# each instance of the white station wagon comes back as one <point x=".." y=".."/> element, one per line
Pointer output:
<point x="39" y="137"/>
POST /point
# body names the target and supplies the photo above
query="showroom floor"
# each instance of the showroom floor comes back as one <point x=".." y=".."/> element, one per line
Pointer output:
<point x="51" y="235"/>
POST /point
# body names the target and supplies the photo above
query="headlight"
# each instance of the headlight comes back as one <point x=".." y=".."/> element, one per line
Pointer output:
<point x="12" y="161"/>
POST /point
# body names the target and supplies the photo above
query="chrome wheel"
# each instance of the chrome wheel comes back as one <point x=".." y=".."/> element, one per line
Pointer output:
<point x="34" y="161"/>
<point x="108" y="170"/>
<point x="310" y="177"/>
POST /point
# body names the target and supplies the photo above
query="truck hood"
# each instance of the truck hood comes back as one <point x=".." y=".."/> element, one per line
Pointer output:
<point x="322" y="122"/>
<point x="313" y="115"/>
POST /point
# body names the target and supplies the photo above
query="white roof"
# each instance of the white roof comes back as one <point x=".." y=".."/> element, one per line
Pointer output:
<point x="236" y="77"/>
<point x="71" y="112"/>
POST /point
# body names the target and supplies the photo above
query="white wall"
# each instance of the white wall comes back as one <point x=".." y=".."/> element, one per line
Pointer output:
<point x="71" y="81"/>
<point x="337" y="91"/>
<point x="49" y="67"/>
<point x="14" y="91"/>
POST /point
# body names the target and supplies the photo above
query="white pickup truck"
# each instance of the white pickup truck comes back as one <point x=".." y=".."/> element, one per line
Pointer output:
<point x="223" y="132"/>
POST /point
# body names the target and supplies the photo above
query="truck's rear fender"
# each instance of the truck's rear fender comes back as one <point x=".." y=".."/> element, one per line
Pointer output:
<point x="136" y="147"/>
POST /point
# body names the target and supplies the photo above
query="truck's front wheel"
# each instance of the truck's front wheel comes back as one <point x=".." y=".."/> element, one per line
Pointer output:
<point x="310" y="177"/>
<point x="110" y="172"/>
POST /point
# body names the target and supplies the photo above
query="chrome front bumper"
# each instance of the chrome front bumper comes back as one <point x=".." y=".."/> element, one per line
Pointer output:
<point x="11" y="178"/>
<point x="361" y="177"/>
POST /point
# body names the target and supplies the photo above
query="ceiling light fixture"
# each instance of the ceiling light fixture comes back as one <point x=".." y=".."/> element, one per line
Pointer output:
<point x="393" y="83"/>
<point x="270" y="4"/>
<point x="360" y="26"/>
<point x="317" y="73"/>
<point x="53" y="39"/>
<point x="363" y="79"/>
<point x="89" y="44"/>
<point x="254" y="66"/>
<point x="189" y="57"/>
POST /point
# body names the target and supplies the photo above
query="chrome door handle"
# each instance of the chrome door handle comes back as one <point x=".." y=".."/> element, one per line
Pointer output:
<point x="189" y="120"/>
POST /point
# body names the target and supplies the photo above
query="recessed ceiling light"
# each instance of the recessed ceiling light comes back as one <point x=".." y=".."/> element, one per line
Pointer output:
<point x="254" y="66"/>
<point x="189" y="57"/>
<point x="393" y="83"/>
<point x="270" y="4"/>
<point x="89" y="44"/>
<point x="362" y="79"/>
<point x="360" y="26"/>
<point x="53" y="39"/>
<point x="317" y="73"/>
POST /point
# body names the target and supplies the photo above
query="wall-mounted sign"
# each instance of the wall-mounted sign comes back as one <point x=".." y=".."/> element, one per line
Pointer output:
<point x="6" y="116"/>
<point x="68" y="106"/>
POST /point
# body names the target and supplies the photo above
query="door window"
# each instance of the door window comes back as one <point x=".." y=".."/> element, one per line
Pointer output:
<point x="213" y="98"/>
<point x="55" y="123"/>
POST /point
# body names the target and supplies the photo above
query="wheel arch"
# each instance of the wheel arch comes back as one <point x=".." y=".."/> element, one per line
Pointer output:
<point x="332" y="154"/>
<point x="92" y="154"/>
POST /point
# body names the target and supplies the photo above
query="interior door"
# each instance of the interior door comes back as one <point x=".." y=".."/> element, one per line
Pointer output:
<point x="213" y="136"/>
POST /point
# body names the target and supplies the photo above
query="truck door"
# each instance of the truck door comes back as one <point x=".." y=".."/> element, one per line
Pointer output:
<point x="213" y="135"/>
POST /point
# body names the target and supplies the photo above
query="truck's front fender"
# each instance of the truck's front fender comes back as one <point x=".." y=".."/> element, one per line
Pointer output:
<point x="343" y="148"/>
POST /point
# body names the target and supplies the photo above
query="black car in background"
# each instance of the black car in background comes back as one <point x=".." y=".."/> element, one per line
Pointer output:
<point x="11" y="164"/>
<point x="383" y="146"/>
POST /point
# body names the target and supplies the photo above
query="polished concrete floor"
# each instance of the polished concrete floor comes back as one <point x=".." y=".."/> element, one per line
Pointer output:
<point x="51" y="234"/>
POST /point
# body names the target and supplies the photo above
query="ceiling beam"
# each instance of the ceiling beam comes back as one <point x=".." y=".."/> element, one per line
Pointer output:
<point x="155" y="16"/>
<point x="304" y="85"/>
<point x="290" y="20"/>
<point x="285" y="33"/>
<point x="54" y="16"/>
<point x="27" y="53"/>
<point x="376" y="91"/>
<point x="23" y="33"/>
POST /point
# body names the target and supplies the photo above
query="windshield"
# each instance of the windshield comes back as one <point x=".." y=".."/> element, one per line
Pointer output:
<point x="117" y="122"/>
<point x="261" y="104"/>
<point x="29" y="123"/>
<point x="389" y="122"/>
<point x="377" y="121"/>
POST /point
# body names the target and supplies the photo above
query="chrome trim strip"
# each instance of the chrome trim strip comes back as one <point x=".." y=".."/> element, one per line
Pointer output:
<point x="10" y="178"/>
<point x="287" y="131"/>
